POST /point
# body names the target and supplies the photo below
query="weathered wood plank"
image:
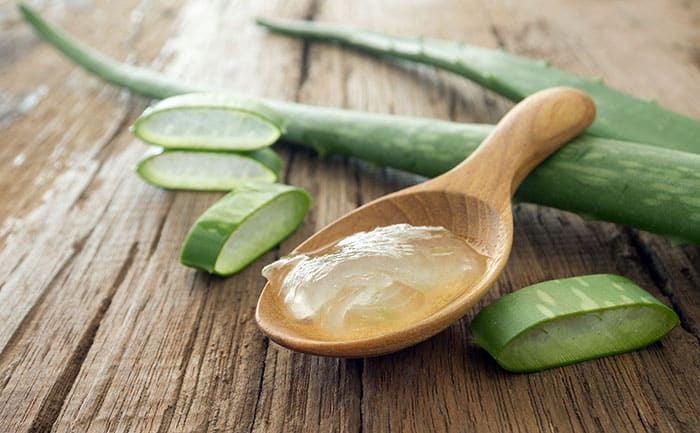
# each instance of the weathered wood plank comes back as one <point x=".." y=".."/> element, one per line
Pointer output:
<point x="59" y="268"/>
<point x="106" y="332"/>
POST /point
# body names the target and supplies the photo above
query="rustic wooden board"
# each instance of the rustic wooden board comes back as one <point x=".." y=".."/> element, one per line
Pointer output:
<point x="104" y="331"/>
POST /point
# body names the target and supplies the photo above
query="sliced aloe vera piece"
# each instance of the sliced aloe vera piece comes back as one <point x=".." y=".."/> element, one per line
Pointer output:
<point x="242" y="226"/>
<point x="203" y="121"/>
<point x="207" y="171"/>
<point x="267" y="157"/>
<point x="562" y="322"/>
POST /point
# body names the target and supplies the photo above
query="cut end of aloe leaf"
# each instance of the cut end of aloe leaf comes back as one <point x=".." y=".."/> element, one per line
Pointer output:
<point x="242" y="226"/>
<point x="267" y="157"/>
<point x="562" y="322"/>
<point x="202" y="121"/>
<point x="204" y="171"/>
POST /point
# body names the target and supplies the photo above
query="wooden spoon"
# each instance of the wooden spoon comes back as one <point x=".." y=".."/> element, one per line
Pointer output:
<point x="473" y="200"/>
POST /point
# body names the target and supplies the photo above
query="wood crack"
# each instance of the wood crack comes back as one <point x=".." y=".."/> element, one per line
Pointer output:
<point x="161" y="225"/>
<point x="661" y="279"/>
<point x="493" y="28"/>
<point x="14" y="268"/>
<point x="266" y="341"/>
<point x="23" y="326"/>
<point x="304" y="68"/>
<point x="261" y="382"/>
<point x="124" y="270"/>
<point x="120" y="125"/>
<point x="497" y="35"/>
<point x="210" y="389"/>
<point x="103" y="390"/>
<point x="358" y="184"/>
<point x="361" y="424"/>
<point x="53" y="402"/>
<point x="169" y="412"/>
<point x="309" y="15"/>
<point x="452" y="105"/>
<point x="290" y="160"/>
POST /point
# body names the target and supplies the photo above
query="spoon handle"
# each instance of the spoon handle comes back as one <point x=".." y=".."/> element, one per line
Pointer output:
<point x="525" y="136"/>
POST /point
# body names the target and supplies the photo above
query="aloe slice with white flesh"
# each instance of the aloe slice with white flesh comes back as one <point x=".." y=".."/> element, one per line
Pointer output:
<point x="562" y="322"/>
<point x="242" y="226"/>
<point x="208" y="171"/>
<point x="200" y="121"/>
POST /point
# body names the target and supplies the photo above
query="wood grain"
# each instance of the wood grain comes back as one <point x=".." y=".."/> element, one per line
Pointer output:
<point x="104" y="331"/>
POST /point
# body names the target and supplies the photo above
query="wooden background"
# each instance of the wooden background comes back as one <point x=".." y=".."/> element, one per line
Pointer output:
<point x="101" y="329"/>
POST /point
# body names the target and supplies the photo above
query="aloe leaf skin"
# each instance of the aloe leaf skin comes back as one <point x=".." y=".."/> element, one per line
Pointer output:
<point x="619" y="116"/>
<point x="561" y="322"/>
<point x="621" y="189"/>
<point x="242" y="226"/>
<point x="139" y="80"/>
<point x="267" y="157"/>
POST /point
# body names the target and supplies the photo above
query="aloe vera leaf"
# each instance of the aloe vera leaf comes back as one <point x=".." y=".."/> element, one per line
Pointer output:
<point x="202" y="170"/>
<point x="139" y="80"/>
<point x="642" y="186"/>
<point x="646" y="187"/>
<point x="619" y="116"/>
<point x="565" y="321"/>
<point x="189" y="122"/>
<point x="242" y="226"/>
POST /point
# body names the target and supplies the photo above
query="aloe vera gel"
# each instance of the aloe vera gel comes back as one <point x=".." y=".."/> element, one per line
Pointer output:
<point x="375" y="282"/>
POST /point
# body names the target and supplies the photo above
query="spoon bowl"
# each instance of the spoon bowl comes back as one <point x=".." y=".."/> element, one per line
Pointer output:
<point x="473" y="201"/>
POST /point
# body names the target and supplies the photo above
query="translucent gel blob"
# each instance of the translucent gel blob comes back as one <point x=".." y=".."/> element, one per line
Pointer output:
<point x="371" y="283"/>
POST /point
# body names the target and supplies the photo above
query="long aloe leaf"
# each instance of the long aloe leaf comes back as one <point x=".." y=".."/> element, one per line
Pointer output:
<point x="619" y="116"/>
<point x="642" y="186"/>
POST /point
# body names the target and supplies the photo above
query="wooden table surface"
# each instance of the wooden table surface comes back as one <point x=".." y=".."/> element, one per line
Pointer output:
<point x="102" y="330"/>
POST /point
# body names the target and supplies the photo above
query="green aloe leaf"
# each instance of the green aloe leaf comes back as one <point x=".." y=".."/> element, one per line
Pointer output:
<point x="619" y="116"/>
<point x="242" y="226"/>
<point x="562" y="322"/>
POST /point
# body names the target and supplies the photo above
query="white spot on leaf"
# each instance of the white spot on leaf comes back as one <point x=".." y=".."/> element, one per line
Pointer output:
<point x="544" y="310"/>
